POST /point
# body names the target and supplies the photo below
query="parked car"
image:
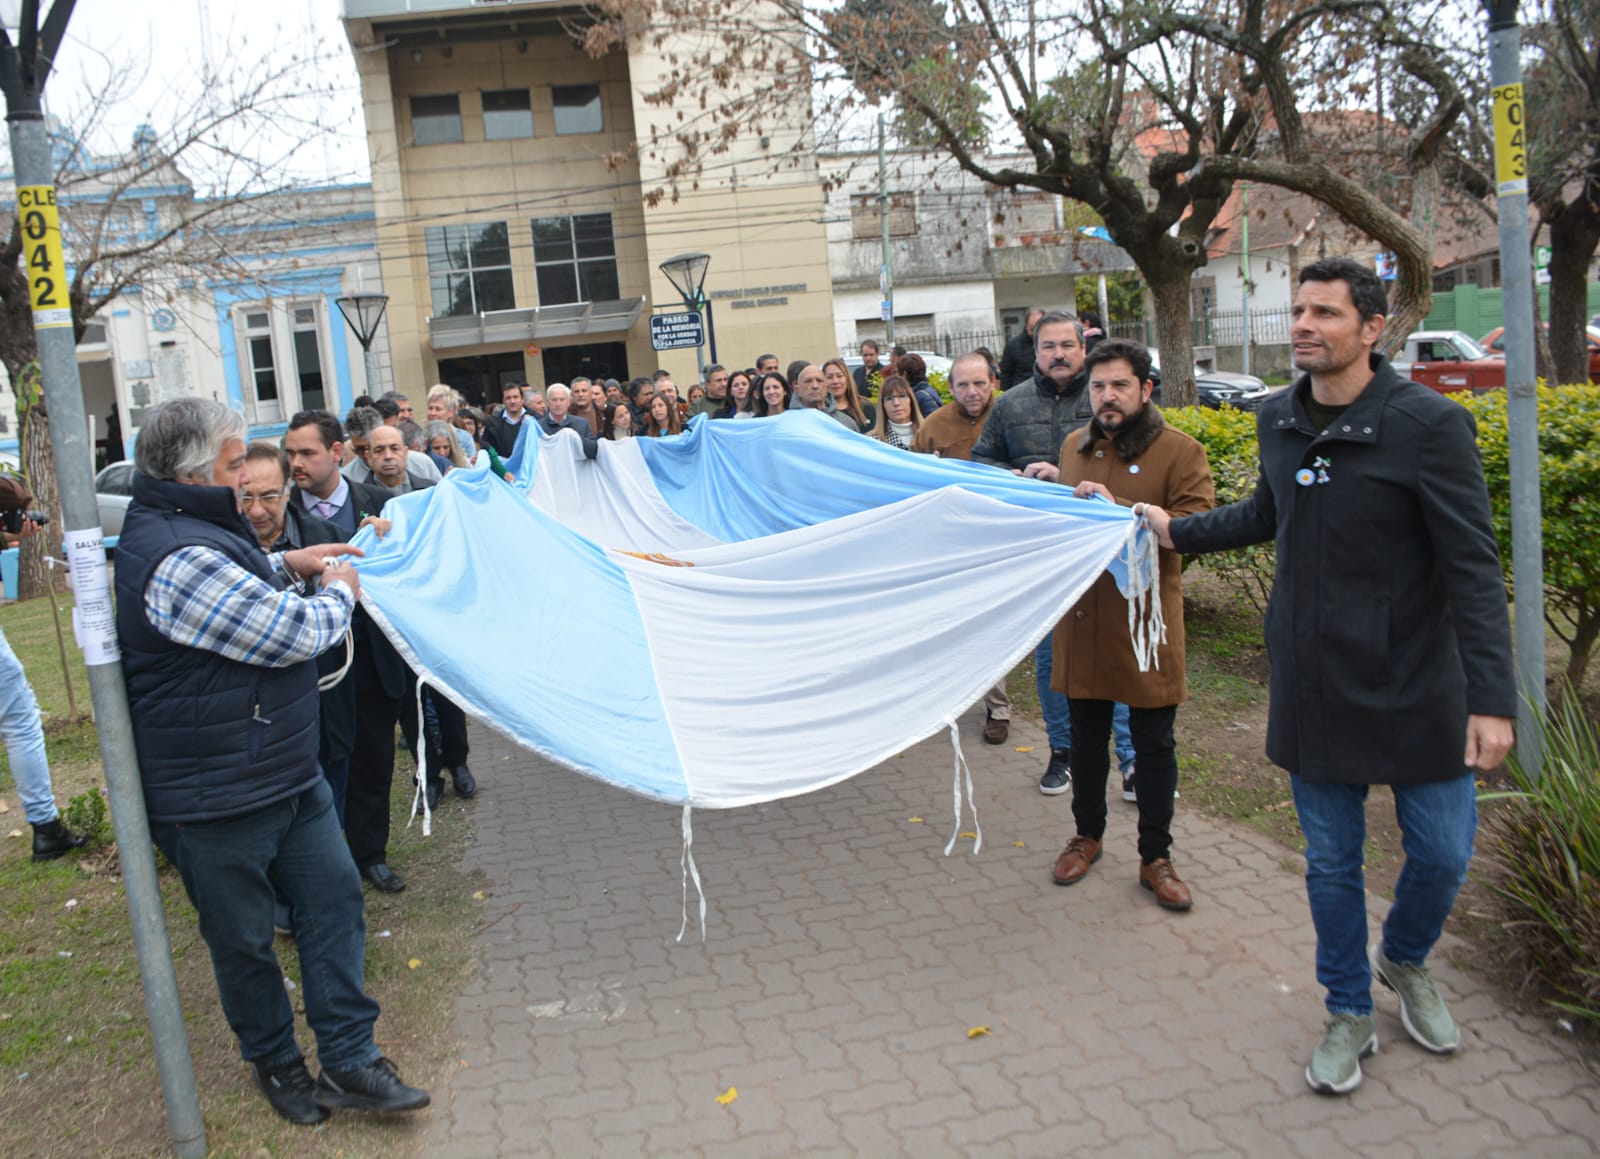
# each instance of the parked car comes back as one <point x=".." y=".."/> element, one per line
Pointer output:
<point x="1220" y="388"/>
<point x="1494" y="343"/>
<point x="1448" y="361"/>
<point x="113" y="491"/>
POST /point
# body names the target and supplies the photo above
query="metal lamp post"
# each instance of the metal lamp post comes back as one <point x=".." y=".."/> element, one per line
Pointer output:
<point x="364" y="311"/>
<point x="687" y="273"/>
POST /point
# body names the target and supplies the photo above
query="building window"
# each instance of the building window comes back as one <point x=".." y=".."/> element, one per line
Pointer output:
<point x="469" y="268"/>
<point x="436" y="120"/>
<point x="577" y="108"/>
<point x="507" y="115"/>
<point x="866" y="221"/>
<point x="308" y="359"/>
<point x="261" y="367"/>
<point x="575" y="259"/>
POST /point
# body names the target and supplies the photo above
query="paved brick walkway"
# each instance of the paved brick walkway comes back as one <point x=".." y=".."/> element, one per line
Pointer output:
<point x="847" y="959"/>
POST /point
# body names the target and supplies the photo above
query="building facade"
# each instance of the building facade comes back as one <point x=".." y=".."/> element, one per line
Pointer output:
<point x="510" y="173"/>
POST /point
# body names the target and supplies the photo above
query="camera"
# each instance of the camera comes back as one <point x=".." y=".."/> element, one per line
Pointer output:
<point x="11" y="521"/>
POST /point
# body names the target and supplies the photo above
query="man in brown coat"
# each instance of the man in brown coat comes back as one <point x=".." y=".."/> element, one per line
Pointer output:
<point x="950" y="431"/>
<point x="1129" y="454"/>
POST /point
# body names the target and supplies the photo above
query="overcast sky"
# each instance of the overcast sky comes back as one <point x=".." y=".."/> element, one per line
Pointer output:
<point x="172" y="40"/>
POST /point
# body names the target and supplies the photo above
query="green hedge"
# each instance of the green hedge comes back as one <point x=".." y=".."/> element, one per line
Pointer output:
<point x="1229" y="437"/>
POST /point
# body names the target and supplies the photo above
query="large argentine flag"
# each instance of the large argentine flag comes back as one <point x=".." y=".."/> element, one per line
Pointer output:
<point x="745" y="612"/>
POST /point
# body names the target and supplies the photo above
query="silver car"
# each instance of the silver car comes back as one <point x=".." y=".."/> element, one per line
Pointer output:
<point x="113" y="491"/>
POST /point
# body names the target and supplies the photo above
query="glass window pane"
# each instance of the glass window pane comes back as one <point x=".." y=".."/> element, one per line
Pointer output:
<point x="599" y="280"/>
<point x="495" y="291"/>
<point x="552" y="239"/>
<point x="577" y="108"/>
<point x="491" y="244"/>
<point x="507" y="114"/>
<point x="308" y="362"/>
<point x="436" y="120"/>
<point x="558" y="284"/>
<point x="439" y="290"/>
<point x="305" y="316"/>
<point x="438" y="248"/>
<point x="256" y="322"/>
<point x="593" y="231"/>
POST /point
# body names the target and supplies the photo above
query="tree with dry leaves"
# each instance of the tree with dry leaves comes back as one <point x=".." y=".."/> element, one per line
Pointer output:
<point x="168" y="212"/>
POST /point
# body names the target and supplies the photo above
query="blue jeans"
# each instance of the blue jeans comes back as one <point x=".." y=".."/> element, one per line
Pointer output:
<point x="24" y="737"/>
<point x="1437" y="824"/>
<point x="231" y="869"/>
<point x="1058" y="714"/>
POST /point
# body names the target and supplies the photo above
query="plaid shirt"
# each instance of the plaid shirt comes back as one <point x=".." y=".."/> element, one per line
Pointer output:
<point x="200" y="598"/>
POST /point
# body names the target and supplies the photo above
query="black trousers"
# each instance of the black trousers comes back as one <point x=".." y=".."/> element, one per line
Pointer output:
<point x="1155" y="757"/>
<point x="366" y="811"/>
<point x="446" y="734"/>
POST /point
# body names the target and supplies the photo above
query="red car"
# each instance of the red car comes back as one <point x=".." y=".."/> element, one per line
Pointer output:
<point x="1493" y="341"/>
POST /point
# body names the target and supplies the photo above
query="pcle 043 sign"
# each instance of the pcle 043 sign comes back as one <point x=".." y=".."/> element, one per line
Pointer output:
<point x="47" y="269"/>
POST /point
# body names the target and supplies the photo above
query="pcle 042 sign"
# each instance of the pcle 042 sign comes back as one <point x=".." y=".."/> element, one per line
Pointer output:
<point x="676" y="331"/>
<point x="47" y="269"/>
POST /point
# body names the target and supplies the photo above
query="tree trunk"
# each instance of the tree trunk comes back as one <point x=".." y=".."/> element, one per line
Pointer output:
<point x="1574" y="234"/>
<point x="1169" y="289"/>
<point x="1586" y="631"/>
<point x="35" y="577"/>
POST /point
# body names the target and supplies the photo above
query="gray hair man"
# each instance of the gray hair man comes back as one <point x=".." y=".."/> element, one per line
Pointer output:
<point x="219" y="655"/>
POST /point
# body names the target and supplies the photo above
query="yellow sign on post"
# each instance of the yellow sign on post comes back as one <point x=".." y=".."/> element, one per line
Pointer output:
<point x="1510" y="141"/>
<point x="41" y="243"/>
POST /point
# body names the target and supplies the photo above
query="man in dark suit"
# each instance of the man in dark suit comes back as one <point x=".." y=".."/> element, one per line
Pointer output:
<point x="559" y="401"/>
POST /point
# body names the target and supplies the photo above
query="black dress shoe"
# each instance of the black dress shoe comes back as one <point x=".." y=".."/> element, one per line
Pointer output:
<point x="52" y="839"/>
<point x="375" y="1087"/>
<point x="384" y="878"/>
<point x="466" y="783"/>
<point x="290" y="1091"/>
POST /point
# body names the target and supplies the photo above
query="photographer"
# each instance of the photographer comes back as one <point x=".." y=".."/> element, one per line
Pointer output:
<point x="19" y="711"/>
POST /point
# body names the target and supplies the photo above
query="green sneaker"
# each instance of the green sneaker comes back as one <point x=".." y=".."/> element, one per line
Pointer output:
<point x="1427" y="1019"/>
<point x="1335" y="1067"/>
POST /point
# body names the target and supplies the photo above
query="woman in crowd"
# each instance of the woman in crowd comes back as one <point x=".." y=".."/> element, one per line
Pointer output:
<point x="915" y="371"/>
<point x="619" y="422"/>
<point x="842" y="389"/>
<point x="696" y="393"/>
<point x="741" y="398"/>
<point x="664" y="418"/>
<point x="442" y="443"/>
<point x="898" y="419"/>
<point x="772" y="395"/>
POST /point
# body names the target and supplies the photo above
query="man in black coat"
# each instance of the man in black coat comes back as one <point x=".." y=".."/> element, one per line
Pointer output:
<point x="1390" y="645"/>
<point x="558" y="400"/>
<point x="1016" y="361"/>
<point x="502" y="430"/>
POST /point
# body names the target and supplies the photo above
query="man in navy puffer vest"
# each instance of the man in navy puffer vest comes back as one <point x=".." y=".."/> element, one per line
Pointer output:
<point x="219" y="657"/>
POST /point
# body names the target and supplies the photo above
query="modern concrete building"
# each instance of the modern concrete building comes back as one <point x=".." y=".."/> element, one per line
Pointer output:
<point x="510" y="174"/>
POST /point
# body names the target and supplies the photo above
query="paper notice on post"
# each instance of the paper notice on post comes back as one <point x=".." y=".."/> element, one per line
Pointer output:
<point x="94" y="619"/>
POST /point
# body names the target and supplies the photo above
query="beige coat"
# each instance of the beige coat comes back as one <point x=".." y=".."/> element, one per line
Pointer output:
<point x="1149" y="462"/>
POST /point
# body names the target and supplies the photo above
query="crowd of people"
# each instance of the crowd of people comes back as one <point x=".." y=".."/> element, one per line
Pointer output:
<point x="267" y="743"/>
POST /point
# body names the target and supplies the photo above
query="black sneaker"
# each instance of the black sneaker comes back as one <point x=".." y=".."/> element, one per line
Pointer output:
<point x="1128" y="791"/>
<point x="466" y="784"/>
<point x="1057" y="777"/>
<point x="289" y="1089"/>
<point x="374" y="1087"/>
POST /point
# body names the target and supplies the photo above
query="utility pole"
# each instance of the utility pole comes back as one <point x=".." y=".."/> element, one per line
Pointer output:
<point x="24" y="68"/>
<point x="1522" y="397"/>
<point x="1244" y="265"/>
<point x="886" y="272"/>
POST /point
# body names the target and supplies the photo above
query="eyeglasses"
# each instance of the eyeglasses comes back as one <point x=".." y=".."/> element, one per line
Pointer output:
<point x="271" y="499"/>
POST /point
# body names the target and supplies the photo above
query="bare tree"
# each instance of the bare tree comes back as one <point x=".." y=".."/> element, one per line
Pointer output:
<point x="211" y="169"/>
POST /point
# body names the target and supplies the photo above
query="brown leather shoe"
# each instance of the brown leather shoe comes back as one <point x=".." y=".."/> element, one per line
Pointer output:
<point x="996" y="730"/>
<point x="1161" y="879"/>
<point x="1073" y="864"/>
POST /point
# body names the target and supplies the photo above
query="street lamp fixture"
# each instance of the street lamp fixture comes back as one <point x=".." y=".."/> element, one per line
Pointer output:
<point x="363" y="311"/>
<point x="687" y="273"/>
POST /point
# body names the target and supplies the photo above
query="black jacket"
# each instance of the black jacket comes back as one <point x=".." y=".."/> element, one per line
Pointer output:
<point x="1016" y="362"/>
<point x="216" y="738"/>
<point x="1028" y="425"/>
<point x="1387" y="624"/>
<point x="591" y="441"/>
<point x="502" y="436"/>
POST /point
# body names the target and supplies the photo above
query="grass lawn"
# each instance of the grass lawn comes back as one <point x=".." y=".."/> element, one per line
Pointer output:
<point x="75" y="1054"/>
